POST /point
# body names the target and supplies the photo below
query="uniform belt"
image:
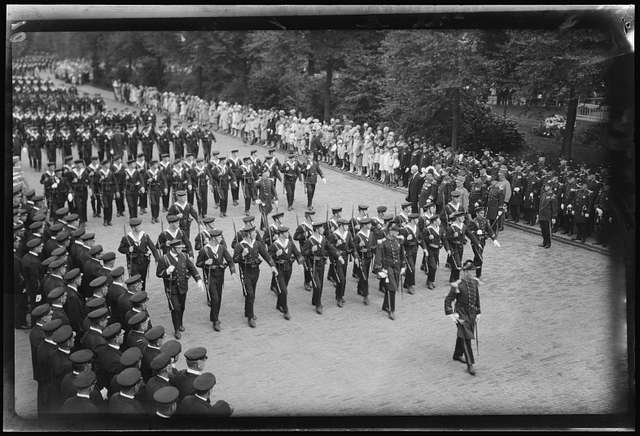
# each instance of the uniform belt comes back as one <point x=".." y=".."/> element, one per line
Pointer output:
<point x="210" y="267"/>
<point x="457" y="243"/>
<point x="434" y="246"/>
<point x="282" y="262"/>
<point x="319" y="258"/>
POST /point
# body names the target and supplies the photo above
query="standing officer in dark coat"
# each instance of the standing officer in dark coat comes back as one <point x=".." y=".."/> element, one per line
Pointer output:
<point x="131" y="138"/>
<point x="74" y="307"/>
<point x="207" y="138"/>
<point x="214" y="258"/>
<point x="154" y="337"/>
<point x="517" y="193"/>
<point x="32" y="271"/>
<point x="583" y="203"/>
<point x="183" y="380"/>
<point x="414" y="188"/>
<point x="163" y="137"/>
<point x="86" y="400"/>
<point x="389" y="266"/>
<point x="43" y="374"/>
<point x="174" y="268"/>
<point x="547" y="214"/>
<point x="247" y="253"/>
<point x="531" y="198"/>
<point x="94" y="188"/>
<point x="310" y="171"/>
<point x="495" y="201"/>
<point x="199" y="403"/>
<point x="138" y="248"/>
<point x="39" y="317"/>
<point x="125" y="402"/>
<point x="465" y="314"/>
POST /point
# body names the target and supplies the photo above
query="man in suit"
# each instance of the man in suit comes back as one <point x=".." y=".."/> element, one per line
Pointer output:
<point x="174" y="268"/>
<point x="414" y="187"/>
<point x="74" y="307"/>
<point x="547" y="214"/>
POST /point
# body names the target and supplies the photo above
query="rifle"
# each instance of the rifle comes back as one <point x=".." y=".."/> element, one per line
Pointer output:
<point x="244" y="291"/>
<point x="166" y="292"/>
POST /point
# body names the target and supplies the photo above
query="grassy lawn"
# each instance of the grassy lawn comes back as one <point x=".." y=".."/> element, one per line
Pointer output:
<point x="528" y="118"/>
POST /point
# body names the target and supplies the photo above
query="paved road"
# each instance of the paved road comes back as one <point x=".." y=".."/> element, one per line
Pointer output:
<point x="552" y="335"/>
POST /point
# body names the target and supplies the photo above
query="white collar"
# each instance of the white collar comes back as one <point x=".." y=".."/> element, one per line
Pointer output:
<point x="95" y="329"/>
<point x="67" y="352"/>
<point x="51" y="341"/>
<point x="73" y="287"/>
<point x="82" y="395"/>
<point x="163" y="377"/>
<point x="162" y="415"/>
<point x="319" y="241"/>
<point x="202" y="398"/>
<point x="193" y="371"/>
<point x="115" y="347"/>
<point x="131" y="397"/>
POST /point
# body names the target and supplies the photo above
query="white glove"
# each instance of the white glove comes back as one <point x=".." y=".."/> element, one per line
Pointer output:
<point x="496" y="243"/>
<point x="278" y="253"/>
<point x="142" y="190"/>
<point x="171" y="269"/>
<point x="586" y="215"/>
<point x="104" y="393"/>
<point x="553" y="220"/>
<point x="189" y="187"/>
<point x="130" y="249"/>
<point x="341" y="260"/>
<point x="314" y="248"/>
<point x="209" y="262"/>
<point x="70" y="196"/>
<point x="324" y="181"/>
<point x="245" y="252"/>
<point x="599" y="211"/>
<point x="454" y="317"/>
<point x="179" y="215"/>
<point x="54" y="186"/>
<point x="275" y="270"/>
<point x="562" y="206"/>
<point x="500" y="212"/>
<point x="403" y="271"/>
<point x="38" y="298"/>
<point x="382" y="274"/>
<point x="258" y="202"/>
<point x="410" y="237"/>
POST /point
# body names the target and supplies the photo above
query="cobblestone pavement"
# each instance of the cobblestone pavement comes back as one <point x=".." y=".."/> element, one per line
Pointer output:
<point x="552" y="335"/>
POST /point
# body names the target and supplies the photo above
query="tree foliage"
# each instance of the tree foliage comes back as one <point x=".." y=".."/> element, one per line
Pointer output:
<point x="428" y="82"/>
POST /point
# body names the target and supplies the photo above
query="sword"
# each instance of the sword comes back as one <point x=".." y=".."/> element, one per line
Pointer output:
<point x="477" y="340"/>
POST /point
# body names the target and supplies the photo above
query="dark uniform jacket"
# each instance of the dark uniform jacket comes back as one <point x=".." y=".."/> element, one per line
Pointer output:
<point x="177" y="281"/>
<point x="107" y="364"/>
<point x="310" y="172"/>
<point x="119" y="404"/>
<point x="548" y="208"/>
<point x="194" y="405"/>
<point x="467" y="305"/>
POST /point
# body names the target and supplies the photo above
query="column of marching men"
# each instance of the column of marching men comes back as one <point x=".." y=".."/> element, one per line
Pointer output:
<point x="94" y="348"/>
<point x="386" y="245"/>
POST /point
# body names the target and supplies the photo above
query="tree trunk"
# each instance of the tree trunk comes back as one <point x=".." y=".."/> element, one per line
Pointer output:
<point x="455" y="125"/>
<point x="199" y="79"/>
<point x="572" y="110"/>
<point x="327" y="91"/>
<point x="95" y="64"/>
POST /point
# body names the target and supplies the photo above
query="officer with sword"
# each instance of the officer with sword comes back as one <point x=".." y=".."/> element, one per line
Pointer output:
<point x="138" y="247"/>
